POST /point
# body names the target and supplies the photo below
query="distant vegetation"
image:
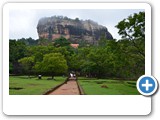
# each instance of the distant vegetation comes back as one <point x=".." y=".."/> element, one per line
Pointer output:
<point x="120" y="59"/>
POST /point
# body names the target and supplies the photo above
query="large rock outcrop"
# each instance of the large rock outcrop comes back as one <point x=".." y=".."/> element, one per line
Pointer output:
<point x="74" y="30"/>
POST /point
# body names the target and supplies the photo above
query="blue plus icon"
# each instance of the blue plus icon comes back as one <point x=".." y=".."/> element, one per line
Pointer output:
<point x="147" y="85"/>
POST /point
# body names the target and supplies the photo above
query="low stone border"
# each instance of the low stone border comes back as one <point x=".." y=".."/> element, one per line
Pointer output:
<point x="80" y="89"/>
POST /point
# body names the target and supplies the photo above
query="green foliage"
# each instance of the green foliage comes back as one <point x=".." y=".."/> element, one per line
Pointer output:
<point x="74" y="62"/>
<point x="53" y="64"/>
<point x="39" y="51"/>
<point x="17" y="50"/>
<point x="102" y="42"/>
<point x="27" y="64"/>
<point x="29" y="41"/>
<point x="10" y="67"/>
<point x="133" y="28"/>
<point x="44" y="42"/>
<point x="83" y="43"/>
<point x="61" y="42"/>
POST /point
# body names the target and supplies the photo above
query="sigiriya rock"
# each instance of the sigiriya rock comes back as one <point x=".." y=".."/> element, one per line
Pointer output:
<point x="74" y="30"/>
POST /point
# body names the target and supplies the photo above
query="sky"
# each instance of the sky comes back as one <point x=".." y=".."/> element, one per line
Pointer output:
<point x="23" y="22"/>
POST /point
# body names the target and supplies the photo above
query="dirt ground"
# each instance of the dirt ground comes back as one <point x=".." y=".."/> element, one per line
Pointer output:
<point x="70" y="88"/>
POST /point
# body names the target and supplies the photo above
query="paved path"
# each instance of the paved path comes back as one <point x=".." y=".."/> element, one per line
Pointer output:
<point x="70" y="88"/>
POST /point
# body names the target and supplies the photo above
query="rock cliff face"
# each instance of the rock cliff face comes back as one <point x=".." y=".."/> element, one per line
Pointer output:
<point x="74" y="30"/>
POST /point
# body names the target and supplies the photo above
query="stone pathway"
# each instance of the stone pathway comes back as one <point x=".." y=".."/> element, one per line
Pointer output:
<point x="70" y="88"/>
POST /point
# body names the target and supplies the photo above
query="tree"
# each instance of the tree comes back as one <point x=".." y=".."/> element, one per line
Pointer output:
<point x="17" y="50"/>
<point x="132" y="44"/>
<point x="44" y="42"/>
<point x="10" y="67"/>
<point x="39" y="51"/>
<point x="61" y="42"/>
<point x="89" y="68"/>
<point x="27" y="64"/>
<point x="53" y="64"/>
<point x="74" y="62"/>
<point x="102" y="41"/>
<point x="28" y="41"/>
<point x="77" y="19"/>
<point x="133" y="29"/>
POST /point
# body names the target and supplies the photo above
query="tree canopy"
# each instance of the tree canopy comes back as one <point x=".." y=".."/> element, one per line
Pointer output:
<point x="133" y="29"/>
<point x="53" y="64"/>
<point x="27" y="64"/>
<point x="62" y="41"/>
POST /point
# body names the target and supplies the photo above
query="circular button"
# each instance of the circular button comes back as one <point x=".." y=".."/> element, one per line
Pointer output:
<point x="147" y="85"/>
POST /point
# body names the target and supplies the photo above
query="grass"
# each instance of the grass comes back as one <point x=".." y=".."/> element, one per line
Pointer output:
<point x="22" y="85"/>
<point x="108" y="87"/>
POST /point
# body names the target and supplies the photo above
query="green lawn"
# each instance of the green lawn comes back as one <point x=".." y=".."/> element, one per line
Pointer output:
<point x="22" y="85"/>
<point x="108" y="87"/>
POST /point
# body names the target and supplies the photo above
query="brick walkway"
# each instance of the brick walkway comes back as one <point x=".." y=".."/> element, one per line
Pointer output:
<point x="70" y="88"/>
